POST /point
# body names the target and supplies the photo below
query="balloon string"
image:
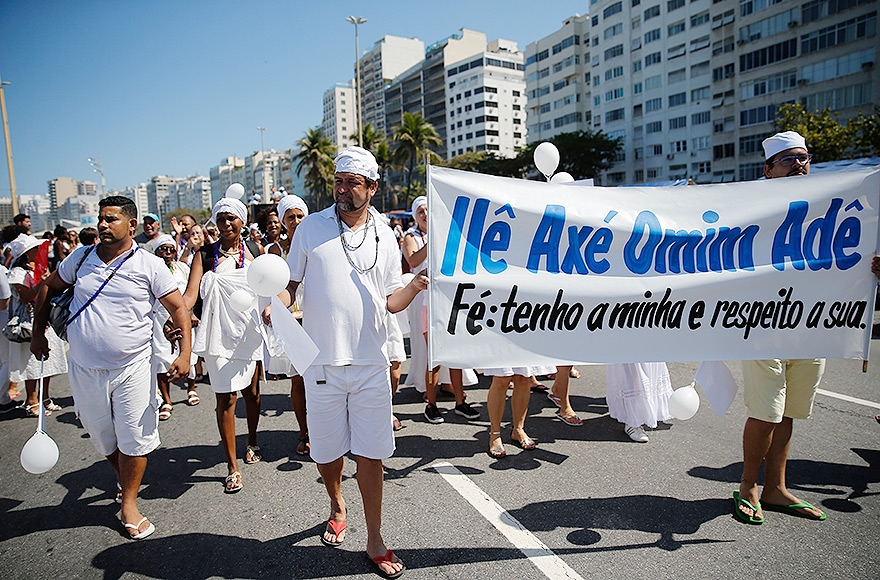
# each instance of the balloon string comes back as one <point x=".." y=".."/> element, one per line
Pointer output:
<point x="41" y="420"/>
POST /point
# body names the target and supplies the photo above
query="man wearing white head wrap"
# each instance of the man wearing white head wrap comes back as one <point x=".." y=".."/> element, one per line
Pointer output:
<point x="776" y="391"/>
<point x="349" y="265"/>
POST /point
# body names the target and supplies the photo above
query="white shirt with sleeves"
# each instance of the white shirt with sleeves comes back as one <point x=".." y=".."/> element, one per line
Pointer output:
<point x="5" y="291"/>
<point x="116" y="329"/>
<point x="343" y="309"/>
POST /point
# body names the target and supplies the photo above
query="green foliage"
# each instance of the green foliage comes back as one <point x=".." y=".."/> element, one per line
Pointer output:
<point x="370" y="137"/>
<point x="201" y="216"/>
<point x="866" y="133"/>
<point x="828" y="139"/>
<point x="413" y="140"/>
<point x="315" y="158"/>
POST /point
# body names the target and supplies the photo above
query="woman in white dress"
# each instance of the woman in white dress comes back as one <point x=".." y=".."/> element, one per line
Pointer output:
<point x="292" y="210"/>
<point x="228" y="340"/>
<point x="24" y="366"/>
<point x="415" y="250"/>
<point x="165" y="247"/>
<point x="638" y="395"/>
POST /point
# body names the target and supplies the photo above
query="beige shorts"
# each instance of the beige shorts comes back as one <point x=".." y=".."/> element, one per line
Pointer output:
<point x="777" y="388"/>
<point x="118" y="407"/>
<point x="349" y="409"/>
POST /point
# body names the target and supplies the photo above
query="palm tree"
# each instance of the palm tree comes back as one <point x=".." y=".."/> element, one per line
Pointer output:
<point x="385" y="159"/>
<point x="413" y="139"/>
<point x="370" y="137"/>
<point x="316" y="153"/>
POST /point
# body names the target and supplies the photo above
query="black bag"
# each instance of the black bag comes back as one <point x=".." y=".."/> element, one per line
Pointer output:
<point x="20" y="327"/>
<point x="59" y="311"/>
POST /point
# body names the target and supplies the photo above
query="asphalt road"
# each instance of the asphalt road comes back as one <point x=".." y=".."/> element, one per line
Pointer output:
<point x="607" y="507"/>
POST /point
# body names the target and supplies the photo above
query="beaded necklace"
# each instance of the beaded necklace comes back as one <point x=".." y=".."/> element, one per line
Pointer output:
<point x="228" y="254"/>
<point x="346" y="247"/>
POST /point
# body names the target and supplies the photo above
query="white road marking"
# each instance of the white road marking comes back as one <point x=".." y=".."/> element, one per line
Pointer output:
<point x="848" y="398"/>
<point x="534" y="549"/>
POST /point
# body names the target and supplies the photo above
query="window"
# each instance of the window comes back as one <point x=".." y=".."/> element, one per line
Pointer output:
<point x="614" y="51"/>
<point x="597" y="101"/>
<point x="699" y="19"/>
<point x="654" y="127"/>
<point x="613" y="73"/>
<point x="492" y="133"/>
<point x="699" y="69"/>
<point x="653" y="59"/>
<point x="747" y="7"/>
<point x="613" y="95"/>
<point x="702" y="143"/>
<point x="699" y="43"/>
<point x="653" y="172"/>
<point x="639" y="152"/>
<point x="637" y="66"/>
<point x="637" y="89"/>
<point x="700" y="94"/>
<point x="768" y="55"/>
<point x="655" y="150"/>
<point x="677" y="99"/>
<point x="652" y="12"/>
<point x="674" y="5"/>
<point x="770" y="84"/>
<point x="700" y="118"/>
<point x="515" y="93"/>
<point x="594" y="21"/>
<point x="637" y="111"/>
<point x="860" y="27"/>
<point x="678" y="122"/>
<point x="751" y="171"/>
<point x="480" y="119"/>
<point x="545" y="108"/>
<point x="768" y="26"/>
<point x="613" y="31"/>
<point x="750" y="144"/>
<point x="567" y="119"/>
<point x="613" y="9"/>
<point x="724" y="72"/>
<point x="639" y="175"/>
<point x="757" y="115"/>
<point x="836" y="67"/>
<point x="677" y="76"/>
<point x="570" y="41"/>
<point x="615" y="115"/>
<point x="652" y="35"/>
<point x="722" y="151"/>
<point x="653" y="105"/>
<point x="653" y="82"/>
<point x="676" y="28"/>
<point x="678" y="146"/>
<point x="839" y="98"/>
<point x="702" y="167"/>
<point x="822" y="8"/>
<point x="481" y="133"/>
<point x="556" y="86"/>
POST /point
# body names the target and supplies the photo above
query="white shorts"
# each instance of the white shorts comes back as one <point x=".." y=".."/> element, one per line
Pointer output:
<point x="118" y="407"/>
<point x="349" y="411"/>
<point x="510" y="371"/>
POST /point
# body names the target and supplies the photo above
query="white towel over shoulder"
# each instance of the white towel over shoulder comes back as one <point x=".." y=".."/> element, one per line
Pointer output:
<point x="223" y="331"/>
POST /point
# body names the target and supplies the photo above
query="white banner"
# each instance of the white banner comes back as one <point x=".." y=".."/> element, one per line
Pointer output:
<point x="526" y="273"/>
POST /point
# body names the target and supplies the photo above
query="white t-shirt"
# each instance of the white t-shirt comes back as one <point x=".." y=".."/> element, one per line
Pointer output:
<point x="116" y="329"/>
<point x="5" y="291"/>
<point x="343" y="309"/>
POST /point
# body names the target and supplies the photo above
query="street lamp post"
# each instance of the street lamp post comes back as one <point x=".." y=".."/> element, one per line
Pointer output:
<point x="357" y="75"/>
<point x="8" y="149"/>
<point x="263" y="162"/>
<point x="98" y="167"/>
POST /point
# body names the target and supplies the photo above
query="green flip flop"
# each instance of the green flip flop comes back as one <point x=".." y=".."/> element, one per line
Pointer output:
<point x="792" y="510"/>
<point x="747" y="519"/>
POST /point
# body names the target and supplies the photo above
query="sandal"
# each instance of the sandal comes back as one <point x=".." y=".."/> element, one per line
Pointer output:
<point x="233" y="482"/>
<point x="498" y="451"/>
<point x="165" y="412"/>
<point x="118" y="493"/>
<point x="33" y="410"/>
<point x="334" y="528"/>
<point x="139" y="535"/>
<point x="396" y="425"/>
<point x="571" y="419"/>
<point x="525" y="442"/>
<point x="388" y="558"/>
<point x="539" y="388"/>
<point x="49" y="405"/>
<point x="303" y="448"/>
<point x="192" y="398"/>
<point x="252" y="455"/>
<point x="554" y="399"/>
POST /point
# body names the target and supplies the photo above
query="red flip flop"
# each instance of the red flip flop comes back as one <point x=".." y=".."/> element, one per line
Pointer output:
<point x="388" y="558"/>
<point x="335" y="527"/>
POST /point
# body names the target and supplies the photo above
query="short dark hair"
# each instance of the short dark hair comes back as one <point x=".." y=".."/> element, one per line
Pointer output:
<point x="59" y="231"/>
<point x="20" y="218"/>
<point x="263" y="217"/>
<point x="126" y="205"/>
<point x="87" y="236"/>
<point x="9" y="233"/>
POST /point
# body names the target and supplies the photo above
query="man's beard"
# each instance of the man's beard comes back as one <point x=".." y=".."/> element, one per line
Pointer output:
<point x="346" y="204"/>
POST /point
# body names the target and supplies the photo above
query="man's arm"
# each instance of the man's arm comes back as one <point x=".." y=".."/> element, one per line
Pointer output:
<point x="174" y="304"/>
<point x="401" y="298"/>
<point x="286" y="296"/>
<point x="49" y="288"/>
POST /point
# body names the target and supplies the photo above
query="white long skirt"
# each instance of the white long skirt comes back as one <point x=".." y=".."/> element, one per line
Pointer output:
<point x="638" y="393"/>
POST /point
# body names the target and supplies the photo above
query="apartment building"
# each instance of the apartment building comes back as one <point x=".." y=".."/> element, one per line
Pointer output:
<point x="190" y="193"/>
<point x="486" y="101"/>
<point x="157" y="192"/>
<point x="60" y="190"/>
<point x="138" y="194"/>
<point x="339" y="122"/>
<point x="389" y="56"/>
<point x="693" y="87"/>
<point x="557" y="69"/>
<point x="221" y="176"/>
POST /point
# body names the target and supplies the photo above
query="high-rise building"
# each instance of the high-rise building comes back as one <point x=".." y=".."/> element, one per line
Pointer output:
<point x="389" y="56"/>
<point x="190" y="193"/>
<point x="138" y="194"/>
<point x="486" y="101"/>
<point x="558" y="81"/>
<point x="157" y="192"/>
<point x="60" y="189"/>
<point x="222" y="177"/>
<point x="340" y="115"/>
<point x="693" y="87"/>
<point x="86" y="188"/>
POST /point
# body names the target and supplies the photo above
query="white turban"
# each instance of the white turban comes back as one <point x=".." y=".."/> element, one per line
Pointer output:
<point x="291" y="202"/>
<point x="781" y="142"/>
<point x="359" y="161"/>
<point x="163" y="240"/>
<point x="229" y="205"/>
<point x="418" y="202"/>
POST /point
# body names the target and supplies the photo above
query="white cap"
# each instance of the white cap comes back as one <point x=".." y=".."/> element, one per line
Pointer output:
<point x="781" y="142"/>
<point x="359" y="161"/>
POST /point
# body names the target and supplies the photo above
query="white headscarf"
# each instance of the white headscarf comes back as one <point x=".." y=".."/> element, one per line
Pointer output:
<point x="359" y="161"/>
<point x="229" y="205"/>
<point x="417" y="203"/>
<point x="291" y="202"/>
<point x="163" y="240"/>
<point x="782" y="142"/>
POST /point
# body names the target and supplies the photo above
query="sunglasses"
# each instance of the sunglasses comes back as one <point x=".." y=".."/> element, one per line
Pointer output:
<point x="790" y="160"/>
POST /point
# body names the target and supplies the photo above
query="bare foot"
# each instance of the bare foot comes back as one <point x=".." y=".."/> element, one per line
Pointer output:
<point x="337" y="514"/>
<point x="783" y="497"/>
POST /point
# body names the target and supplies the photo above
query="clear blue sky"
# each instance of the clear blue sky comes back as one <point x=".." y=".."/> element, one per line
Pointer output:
<point x="171" y="87"/>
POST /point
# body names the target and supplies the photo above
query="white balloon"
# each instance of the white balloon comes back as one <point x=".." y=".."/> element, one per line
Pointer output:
<point x="268" y="275"/>
<point x="235" y="190"/>
<point x="546" y="158"/>
<point x="562" y="177"/>
<point x="39" y="454"/>
<point x="241" y="300"/>
<point x="684" y="403"/>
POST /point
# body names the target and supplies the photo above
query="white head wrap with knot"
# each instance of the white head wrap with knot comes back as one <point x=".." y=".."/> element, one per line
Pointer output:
<point x="782" y="142"/>
<point x="417" y="203"/>
<point x="359" y="161"/>
<point x="291" y="202"/>
<point x="163" y="240"/>
<point x="229" y="205"/>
